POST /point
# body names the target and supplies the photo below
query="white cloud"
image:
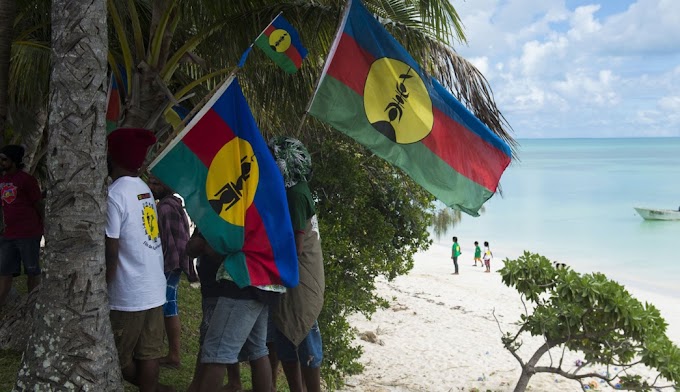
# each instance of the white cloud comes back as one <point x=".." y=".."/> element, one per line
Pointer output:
<point x="671" y="104"/>
<point x="600" y="69"/>
<point x="599" y="90"/>
<point x="481" y="63"/>
<point x="647" y="27"/>
<point x="583" y="23"/>
<point x="540" y="58"/>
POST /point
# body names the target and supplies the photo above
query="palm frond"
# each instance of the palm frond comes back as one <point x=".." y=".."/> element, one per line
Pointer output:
<point x="29" y="74"/>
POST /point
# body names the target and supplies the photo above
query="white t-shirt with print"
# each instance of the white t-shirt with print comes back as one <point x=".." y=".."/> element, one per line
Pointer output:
<point x="139" y="283"/>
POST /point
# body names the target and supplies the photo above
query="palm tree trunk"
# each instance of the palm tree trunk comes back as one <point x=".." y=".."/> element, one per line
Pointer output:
<point x="7" y="11"/>
<point x="71" y="346"/>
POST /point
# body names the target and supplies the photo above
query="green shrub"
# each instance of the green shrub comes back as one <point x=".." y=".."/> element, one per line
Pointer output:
<point x="590" y="314"/>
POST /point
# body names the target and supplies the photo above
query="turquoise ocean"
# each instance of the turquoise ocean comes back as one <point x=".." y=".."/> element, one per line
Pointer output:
<point x="572" y="201"/>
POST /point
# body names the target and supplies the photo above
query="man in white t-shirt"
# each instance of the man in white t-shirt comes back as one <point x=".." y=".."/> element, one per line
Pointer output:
<point x="134" y="261"/>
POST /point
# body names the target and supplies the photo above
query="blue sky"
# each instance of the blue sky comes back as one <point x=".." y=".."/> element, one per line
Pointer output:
<point x="578" y="68"/>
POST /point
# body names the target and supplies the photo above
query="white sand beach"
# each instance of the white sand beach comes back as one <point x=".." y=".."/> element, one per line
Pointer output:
<point x="439" y="333"/>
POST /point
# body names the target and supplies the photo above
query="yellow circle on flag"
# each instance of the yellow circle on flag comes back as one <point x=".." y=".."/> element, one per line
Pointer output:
<point x="279" y="40"/>
<point x="396" y="101"/>
<point x="232" y="181"/>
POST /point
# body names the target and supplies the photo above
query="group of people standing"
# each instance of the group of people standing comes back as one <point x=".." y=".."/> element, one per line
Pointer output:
<point x="148" y="246"/>
<point x="484" y="258"/>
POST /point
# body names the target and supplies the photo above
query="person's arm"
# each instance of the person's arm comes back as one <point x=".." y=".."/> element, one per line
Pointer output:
<point x="38" y="201"/>
<point x="196" y="245"/>
<point x="111" y="252"/>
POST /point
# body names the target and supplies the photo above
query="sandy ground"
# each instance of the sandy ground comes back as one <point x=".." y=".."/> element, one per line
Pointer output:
<point x="440" y="333"/>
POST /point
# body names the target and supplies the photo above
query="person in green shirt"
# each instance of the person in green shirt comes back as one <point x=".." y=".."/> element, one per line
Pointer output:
<point x="478" y="255"/>
<point x="455" y="252"/>
<point x="295" y="331"/>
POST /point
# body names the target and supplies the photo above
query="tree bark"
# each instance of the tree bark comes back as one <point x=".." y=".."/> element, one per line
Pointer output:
<point x="528" y="369"/>
<point x="71" y="346"/>
<point x="17" y="322"/>
<point x="7" y="12"/>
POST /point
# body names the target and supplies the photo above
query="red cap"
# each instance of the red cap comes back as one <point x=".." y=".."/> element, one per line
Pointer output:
<point x="128" y="146"/>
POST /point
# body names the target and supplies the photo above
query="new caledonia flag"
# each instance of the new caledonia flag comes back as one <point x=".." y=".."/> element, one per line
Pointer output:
<point x="233" y="190"/>
<point x="373" y="90"/>
<point x="281" y="42"/>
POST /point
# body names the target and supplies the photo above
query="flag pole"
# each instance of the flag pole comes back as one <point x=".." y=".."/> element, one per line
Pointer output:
<point x="331" y="52"/>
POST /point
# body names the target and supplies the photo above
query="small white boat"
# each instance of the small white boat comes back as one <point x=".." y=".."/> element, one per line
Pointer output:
<point x="658" y="214"/>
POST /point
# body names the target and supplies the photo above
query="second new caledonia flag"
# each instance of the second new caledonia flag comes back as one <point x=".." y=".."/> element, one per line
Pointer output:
<point x="280" y="41"/>
<point x="373" y="90"/>
<point x="233" y="190"/>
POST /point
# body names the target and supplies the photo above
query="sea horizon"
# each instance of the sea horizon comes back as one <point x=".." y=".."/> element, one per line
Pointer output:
<point x="572" y="199"/>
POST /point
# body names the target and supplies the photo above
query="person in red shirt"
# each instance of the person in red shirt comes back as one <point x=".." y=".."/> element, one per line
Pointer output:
<point x="23" y="221"/>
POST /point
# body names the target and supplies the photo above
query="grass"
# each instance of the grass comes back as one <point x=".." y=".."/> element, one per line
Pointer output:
<point x="190" y="314"/>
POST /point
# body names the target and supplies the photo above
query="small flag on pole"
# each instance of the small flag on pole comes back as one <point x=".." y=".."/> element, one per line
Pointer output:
<point x="281" y="42"/>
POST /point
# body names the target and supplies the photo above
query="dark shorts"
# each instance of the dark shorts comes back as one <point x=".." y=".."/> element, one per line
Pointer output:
<point x="17" y="251"/>
<point x="309" y="353"/>
<point x="138" y="335"/>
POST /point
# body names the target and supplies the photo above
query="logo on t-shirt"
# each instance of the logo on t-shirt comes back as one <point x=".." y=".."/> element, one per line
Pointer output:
<point x="150" y="221"/>
<point x="8" y="192"/>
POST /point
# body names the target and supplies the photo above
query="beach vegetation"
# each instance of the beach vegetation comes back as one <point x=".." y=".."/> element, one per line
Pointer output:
<point x="591" y="315"/>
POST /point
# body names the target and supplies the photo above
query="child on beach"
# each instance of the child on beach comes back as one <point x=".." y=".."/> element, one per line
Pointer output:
<point x="478" y="255"/>
<point x="455" y="252"/>
<point x="487" y="256"/>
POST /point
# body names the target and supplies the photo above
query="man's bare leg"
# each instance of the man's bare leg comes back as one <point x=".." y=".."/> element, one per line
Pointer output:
<point x="144" y="374"/>
<point x="312" y="377"/>
<point x="213" y="374"/>
<point x="233" y="378"/>
<point x="5" y="286"/>
<point x="293" y="376"/>
<point x="262" y="375"/>
<point x="273" y="364"/>
<point x="173" y="331"/>
<point x="32" y="282"/>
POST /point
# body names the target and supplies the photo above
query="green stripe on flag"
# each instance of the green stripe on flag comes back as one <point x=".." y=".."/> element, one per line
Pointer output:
<point x="281" y="59"/>
<point x="338" y="105"/>
<point x="182" y="171"/>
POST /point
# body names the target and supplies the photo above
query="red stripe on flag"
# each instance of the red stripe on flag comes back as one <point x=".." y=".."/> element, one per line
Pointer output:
<point x="269" y="30"/>
<point x="351" y="64"/>
<point x="208" y="136"/>
<point x="113" y="108"/>
<point x="294" y="56"/>
<point x="477" y="160"/>
<point x="466" y="152"/>
<point x="258" y="250"/>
